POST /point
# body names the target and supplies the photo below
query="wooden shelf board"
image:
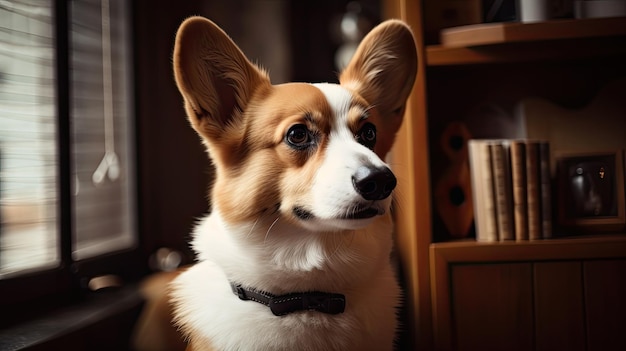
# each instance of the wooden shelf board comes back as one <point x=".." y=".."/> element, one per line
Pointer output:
<point x="589" y="247"/>
<point x="519" y="42"/>
<point x="566" y="49"/>
<point x="508" y="32"/>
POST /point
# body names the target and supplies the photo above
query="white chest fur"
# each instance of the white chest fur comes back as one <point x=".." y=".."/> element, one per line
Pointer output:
<point x="212" y="314"/>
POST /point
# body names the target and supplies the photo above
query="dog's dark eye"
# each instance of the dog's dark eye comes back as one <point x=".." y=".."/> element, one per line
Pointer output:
<point x="299" y="136"/>
<point x="367" y="135"/>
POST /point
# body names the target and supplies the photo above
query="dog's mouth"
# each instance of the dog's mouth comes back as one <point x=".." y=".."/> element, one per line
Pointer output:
<point x="358" y="213"/>
<point x="364" y="213"/>
<point x="302" y="213"/>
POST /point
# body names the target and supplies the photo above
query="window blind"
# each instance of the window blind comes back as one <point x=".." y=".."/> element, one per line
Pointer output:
<point x="28" y="147"/>
<point x="102" y="127"/>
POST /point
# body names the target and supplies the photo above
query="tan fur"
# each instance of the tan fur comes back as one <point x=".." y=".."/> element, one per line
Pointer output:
<point x="154" y="330"/>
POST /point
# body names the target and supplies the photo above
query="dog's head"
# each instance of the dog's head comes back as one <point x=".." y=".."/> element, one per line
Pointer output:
<point x="309" y="154"/>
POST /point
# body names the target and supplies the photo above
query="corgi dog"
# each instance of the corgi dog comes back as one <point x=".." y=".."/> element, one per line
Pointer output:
<point x="295" y="254"/>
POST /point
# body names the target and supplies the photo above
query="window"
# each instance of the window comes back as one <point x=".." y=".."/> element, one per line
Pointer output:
<point x="66" y="136"/>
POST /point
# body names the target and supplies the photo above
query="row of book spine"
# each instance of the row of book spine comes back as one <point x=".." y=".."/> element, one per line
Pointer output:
<point x="511" y="187"/>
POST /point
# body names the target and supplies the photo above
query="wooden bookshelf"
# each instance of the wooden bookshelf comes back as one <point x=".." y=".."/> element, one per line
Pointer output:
<point x="468" y="295"/>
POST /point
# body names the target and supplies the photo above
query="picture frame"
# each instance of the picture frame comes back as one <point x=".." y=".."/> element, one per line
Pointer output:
<point x="590" y="192"/>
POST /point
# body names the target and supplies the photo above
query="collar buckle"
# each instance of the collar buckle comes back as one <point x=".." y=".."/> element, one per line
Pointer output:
<point x="239" y="291"/>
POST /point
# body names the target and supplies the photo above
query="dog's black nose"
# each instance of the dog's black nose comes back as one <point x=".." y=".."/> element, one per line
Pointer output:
<point x="374" y="183"/>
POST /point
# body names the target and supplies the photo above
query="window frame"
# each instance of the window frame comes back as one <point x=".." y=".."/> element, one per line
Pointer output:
<point x="32" y="293"/>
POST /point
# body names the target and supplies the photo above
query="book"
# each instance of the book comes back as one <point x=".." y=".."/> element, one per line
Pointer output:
<point x="518" y="183"/>
<point x="511" y="188"/>
<point x="546" y="190"/>
<point x="533" y="190"/>
<point x="501" y="173"/>
<point x="482" y="187"/>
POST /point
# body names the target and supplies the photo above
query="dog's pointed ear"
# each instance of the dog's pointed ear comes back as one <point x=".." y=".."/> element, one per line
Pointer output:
<point x="214" y="77"/>
<point x="383" y="71"/>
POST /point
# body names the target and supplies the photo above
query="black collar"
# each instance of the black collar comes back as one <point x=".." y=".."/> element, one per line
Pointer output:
<point x="285" y="304"/>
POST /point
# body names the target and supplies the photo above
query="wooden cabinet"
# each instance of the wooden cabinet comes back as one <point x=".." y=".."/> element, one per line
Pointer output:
<point x="546" y="295"/>
<point x="565" y="293"/>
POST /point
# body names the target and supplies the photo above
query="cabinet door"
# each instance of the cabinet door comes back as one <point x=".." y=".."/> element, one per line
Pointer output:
<point x="559" y="321"/>
<point x="605" y="301"/>
<point x="492" y="306"/>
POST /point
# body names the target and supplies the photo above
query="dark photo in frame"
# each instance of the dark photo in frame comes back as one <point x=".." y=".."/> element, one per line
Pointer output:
<point x="591" y="191"/>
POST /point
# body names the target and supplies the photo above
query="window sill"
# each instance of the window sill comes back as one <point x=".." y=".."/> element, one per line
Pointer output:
<point x="103" y="321"/>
